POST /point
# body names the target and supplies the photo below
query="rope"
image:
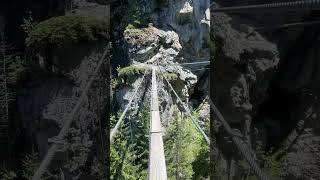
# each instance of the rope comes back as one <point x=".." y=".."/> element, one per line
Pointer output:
<point x="66" y="125"/>
<point x="114" y="130"/>
<point x="243" y="148"/>
<point x="306" y="4"/>
<point x="187" y="110"/>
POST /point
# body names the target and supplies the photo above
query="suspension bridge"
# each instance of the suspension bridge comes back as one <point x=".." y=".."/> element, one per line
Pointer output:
<point x="157" y="164"/>
<point x="157" y="167"/>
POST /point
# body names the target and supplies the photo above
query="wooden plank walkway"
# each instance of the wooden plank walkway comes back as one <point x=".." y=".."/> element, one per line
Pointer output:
<point x="157" y="164"/>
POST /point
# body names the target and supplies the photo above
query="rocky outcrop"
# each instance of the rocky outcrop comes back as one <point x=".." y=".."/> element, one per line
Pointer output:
<point x="44" y="106"/>
<point x="244" y="63"/>
<point x="265" y="85"/>
<point x="177" y="33"/>
<point x="190" y="20"/>
<point x="154" y="46"/>
<point x="45" y="103"/>
<point x="164" y="42"/>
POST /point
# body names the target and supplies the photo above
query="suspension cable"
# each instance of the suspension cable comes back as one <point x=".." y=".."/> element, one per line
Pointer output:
<point x="130" y="127"/>
<point x="114" y="130"/>
<point x="200" y="62"/>
<point x="178" y="144"/>
<point x="301" y="5"/>
<point x="201" y="69"/>
<point x="289" y="25"/>
<point x="102" y="144"/>
<point x="243" y="148"/>
<point x="186" y="109"/>
<point x="66" y="125"/>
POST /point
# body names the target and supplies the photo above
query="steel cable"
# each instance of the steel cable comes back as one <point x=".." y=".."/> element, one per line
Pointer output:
<point x="114" y="130"/>
<point x="306" y="4"/>
<point x="66" y="125"/>
<point x="186" y="109"/>
<point x="243" y="148"/>
<point x="283" y="26"/>
<point x="200" y="62"/>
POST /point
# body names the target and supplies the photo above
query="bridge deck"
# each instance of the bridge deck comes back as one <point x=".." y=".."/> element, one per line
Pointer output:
<point x="157" y="164"/>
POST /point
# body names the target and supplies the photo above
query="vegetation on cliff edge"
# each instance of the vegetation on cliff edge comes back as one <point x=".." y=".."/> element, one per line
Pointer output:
<point x="57" y="31"/>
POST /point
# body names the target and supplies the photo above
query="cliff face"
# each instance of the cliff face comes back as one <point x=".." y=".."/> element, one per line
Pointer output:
<point x="14" y="11"/>
<point x="45" y="104"/>
<point x="266" y="84"/>
<point x="45" y="101"/>
<point x="177" y="32"/>
<point x="163" y="34"/>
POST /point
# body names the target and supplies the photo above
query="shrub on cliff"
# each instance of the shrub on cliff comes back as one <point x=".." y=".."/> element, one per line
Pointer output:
<point x="131" y="71"/>
<point x="171" y="76"/>
<point x="57" y="31"/>
<point x="273" y="167"/>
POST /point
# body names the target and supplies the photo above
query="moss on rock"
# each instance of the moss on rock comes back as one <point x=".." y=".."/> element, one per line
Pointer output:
<point x="131" y="71"/>
<point x="171" y="76"/>
<point x="138" y="36"/>
<point x="61" y="30"/>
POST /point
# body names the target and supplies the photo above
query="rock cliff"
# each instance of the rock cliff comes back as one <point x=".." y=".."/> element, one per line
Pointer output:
<point x="176" y="32"/>
<point x="59" y="76"/>
<point x="265" y="84"/>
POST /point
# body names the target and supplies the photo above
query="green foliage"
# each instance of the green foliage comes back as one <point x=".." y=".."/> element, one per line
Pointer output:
<point x="17" y="71"/>
<point x="114" y="83"/>
<point x="130" y="26"/>
<point x="129" y="154"/>
<point x="122" y="156"/>
<point x="29" y="164"/>
<point x="138" y="36"/>
<point x="131" y="71"/>
<point x="201" y="163"/>
<point x="28" y="23"/>
<point x="273" y="168"/>
<point x="98" y="167"/>
<point x="171" y="76"/>
<point x="129" y="149"/>
<point x="8" y="175"/>
<point x="57" y="31"/>
<point x="216" y="166"/>
<point x="135" y="17"/>
<point x="186" y="151"/>
<point x="137" y="22"/>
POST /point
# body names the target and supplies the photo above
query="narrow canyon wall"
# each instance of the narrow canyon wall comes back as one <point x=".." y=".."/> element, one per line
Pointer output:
<point x="265" y="84"/>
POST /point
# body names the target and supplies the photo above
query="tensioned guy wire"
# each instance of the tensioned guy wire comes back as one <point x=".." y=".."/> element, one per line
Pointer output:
<point x="298" y="5"/>
<point x="114" y="130"/>
<point x="69" y="119"/>
<point x="186" y="109"/>
<point x="242" y="147"/>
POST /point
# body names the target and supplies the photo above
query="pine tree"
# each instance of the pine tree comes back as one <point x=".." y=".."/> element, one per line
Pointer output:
<point x="185" y="149"/>
<point x="4" y="94"/>
<point x="11" y="71"/>
<point x="129" y="149"/>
